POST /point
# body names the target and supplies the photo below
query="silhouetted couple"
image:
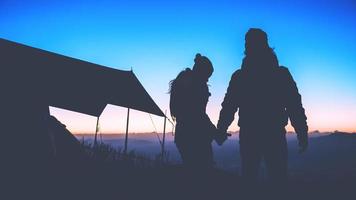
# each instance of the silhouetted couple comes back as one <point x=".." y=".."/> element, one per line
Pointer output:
<point x="265" y="95"/>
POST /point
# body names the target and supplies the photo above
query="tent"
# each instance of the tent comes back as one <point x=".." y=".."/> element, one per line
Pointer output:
<point x="64" y="82"/>
<point x="74" y="84"/>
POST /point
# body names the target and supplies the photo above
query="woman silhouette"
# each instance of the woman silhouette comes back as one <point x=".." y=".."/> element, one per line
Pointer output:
<point x="189" y="95"/>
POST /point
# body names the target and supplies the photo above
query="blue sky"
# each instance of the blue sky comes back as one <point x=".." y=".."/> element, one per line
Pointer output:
<point x="314" y="39"/>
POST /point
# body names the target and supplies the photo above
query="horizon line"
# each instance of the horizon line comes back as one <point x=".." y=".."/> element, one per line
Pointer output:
<point x="287" y="132"/>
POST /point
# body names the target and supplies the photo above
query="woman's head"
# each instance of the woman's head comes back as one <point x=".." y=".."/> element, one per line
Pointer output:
<point x="202" y="68"/>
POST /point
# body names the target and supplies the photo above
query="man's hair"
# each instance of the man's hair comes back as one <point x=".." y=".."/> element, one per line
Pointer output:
<point x="257" y="49"/>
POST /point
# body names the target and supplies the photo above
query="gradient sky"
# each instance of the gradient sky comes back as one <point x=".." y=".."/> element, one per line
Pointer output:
<point x="314" y="39"/>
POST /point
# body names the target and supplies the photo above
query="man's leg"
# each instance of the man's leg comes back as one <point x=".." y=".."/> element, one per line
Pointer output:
<point x="250" y="158"/>
<point x="276" y="158"/>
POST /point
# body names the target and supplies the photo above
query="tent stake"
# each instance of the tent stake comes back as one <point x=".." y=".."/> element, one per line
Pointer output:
<point x="96" y="131"/>
<point x="164" y="135"/>
<point x="127" y="130"/>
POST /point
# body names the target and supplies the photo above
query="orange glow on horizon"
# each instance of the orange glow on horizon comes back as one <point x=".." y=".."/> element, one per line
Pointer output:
<point x="113" y="120"/>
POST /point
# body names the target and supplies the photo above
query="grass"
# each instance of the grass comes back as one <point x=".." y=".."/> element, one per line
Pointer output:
<point x="105" y="172"/>
<point x="102" y="152"/>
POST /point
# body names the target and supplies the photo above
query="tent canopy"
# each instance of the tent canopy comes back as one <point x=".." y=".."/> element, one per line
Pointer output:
<point x="70" y="83"/>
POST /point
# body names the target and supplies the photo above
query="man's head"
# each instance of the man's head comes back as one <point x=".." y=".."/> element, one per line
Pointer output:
<point x="203" y="68"/>
<point x="256" y="41"/>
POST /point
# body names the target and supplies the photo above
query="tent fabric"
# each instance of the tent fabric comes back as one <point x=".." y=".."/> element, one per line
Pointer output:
<point x="64" y="82"/>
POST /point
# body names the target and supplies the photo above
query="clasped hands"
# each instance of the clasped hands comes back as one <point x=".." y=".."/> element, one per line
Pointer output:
<point x="220" y="136"/>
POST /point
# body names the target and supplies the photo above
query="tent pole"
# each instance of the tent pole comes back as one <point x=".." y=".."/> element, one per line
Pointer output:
<point x="127" y="130"/>
<point x="96" y="131"/>
<point x="164" y="135"/>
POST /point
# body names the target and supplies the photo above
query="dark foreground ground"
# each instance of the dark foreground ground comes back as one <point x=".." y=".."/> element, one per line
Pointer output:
<point x="106" y="173"/>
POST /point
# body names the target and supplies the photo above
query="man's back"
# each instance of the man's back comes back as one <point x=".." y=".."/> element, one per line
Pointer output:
<point x="264" y="99"/>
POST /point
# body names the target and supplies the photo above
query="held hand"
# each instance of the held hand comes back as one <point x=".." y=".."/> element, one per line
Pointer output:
<point x="221" y="137"/>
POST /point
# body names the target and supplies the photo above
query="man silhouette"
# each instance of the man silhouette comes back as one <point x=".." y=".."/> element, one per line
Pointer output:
<point x="266" y="95"/>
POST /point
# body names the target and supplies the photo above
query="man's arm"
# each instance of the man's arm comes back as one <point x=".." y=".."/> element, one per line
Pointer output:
<point x="296" y="111"/>
<point x="230" y="104"/>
